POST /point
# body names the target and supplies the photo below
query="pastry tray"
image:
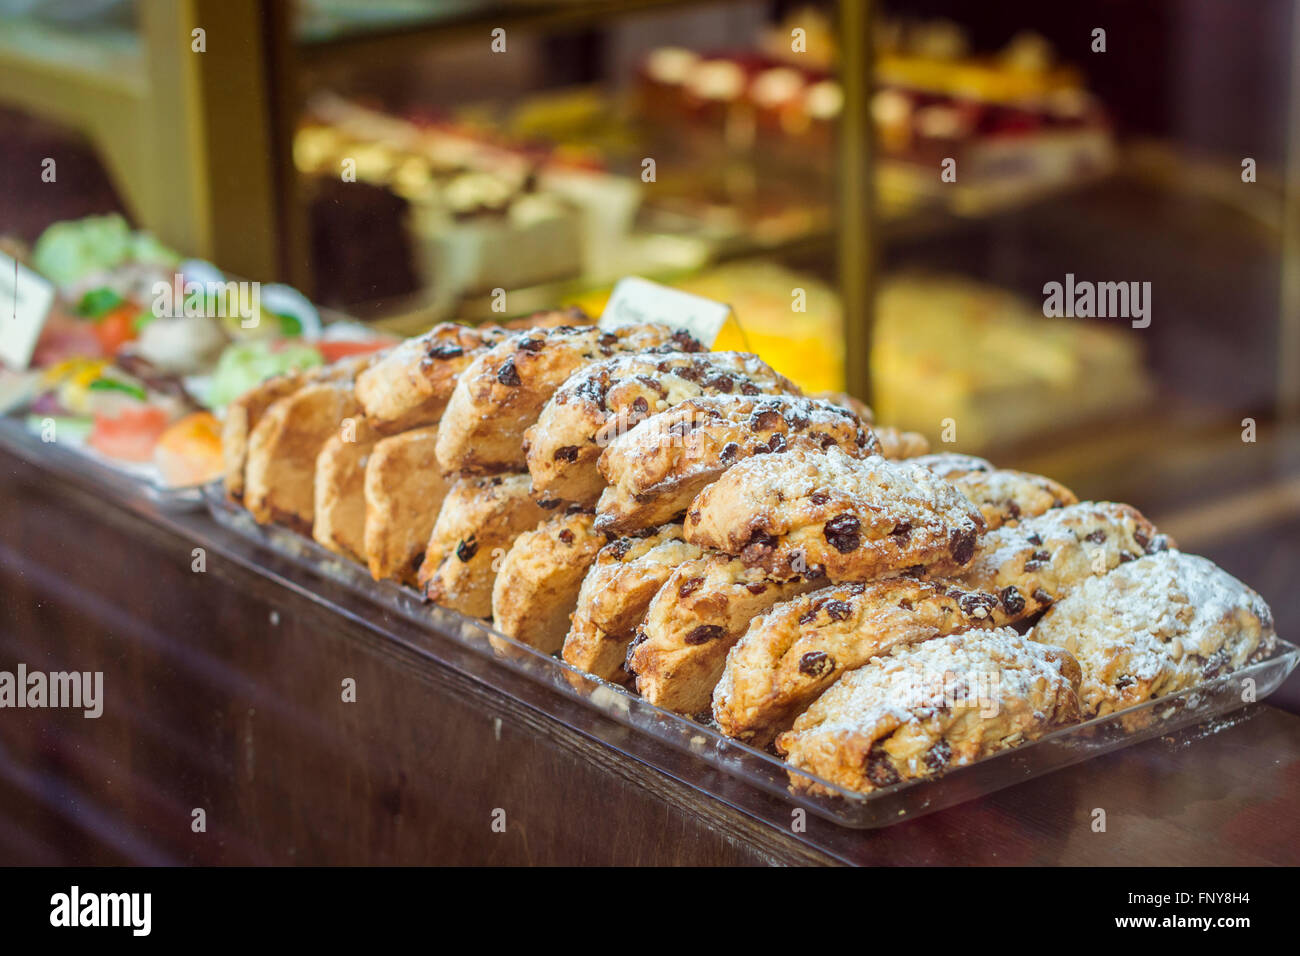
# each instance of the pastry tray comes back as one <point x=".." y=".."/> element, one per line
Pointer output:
<point x="1201" y="707"/>
<point x="72" y="461"/>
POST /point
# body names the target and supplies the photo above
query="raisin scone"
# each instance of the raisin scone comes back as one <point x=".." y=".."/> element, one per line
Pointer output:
<point x="1156" y="626"/>
<point x="845" y="400"/>
<point x="280" y="474"/>
<point x="658" y="467"/>
<point x="537" y="587"/>
<point x="1036" y="562"/>
<point x="924" y="708"/>
<point x="853" y="518"/>
<point x="410" y="386"/>
<point x="503" y="390"/>
<point x="681" y="647"/>
<point x="404" y="491"/>
<point x="791" y="655"/>
<point x="615" y="594"/>
<point x="339" y="521"/>
<point x="479" y="521"/>
<point x="607" y="399"/>
<point x="1004" y="496"/>
<point x="243" y="414"/>
<point x="895" y="444"/>
<point x="951" y="464"/>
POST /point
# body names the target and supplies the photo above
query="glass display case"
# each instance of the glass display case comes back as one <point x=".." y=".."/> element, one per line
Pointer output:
<point x="1065" y="240"/>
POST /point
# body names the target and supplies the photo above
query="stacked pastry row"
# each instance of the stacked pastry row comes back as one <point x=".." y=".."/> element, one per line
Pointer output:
<point x="687" y="523"/>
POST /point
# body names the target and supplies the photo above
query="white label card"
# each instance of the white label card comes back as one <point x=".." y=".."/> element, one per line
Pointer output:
<point x="639" y="300"/>
<point x="25" y="300"/>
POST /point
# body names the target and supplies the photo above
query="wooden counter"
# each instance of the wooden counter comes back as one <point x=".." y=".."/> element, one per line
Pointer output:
<point x="222" y="693"/>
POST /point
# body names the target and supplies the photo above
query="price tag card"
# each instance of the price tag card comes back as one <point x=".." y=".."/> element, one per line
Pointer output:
<point x="25" y="300"/>
<point x="639" y="300"/>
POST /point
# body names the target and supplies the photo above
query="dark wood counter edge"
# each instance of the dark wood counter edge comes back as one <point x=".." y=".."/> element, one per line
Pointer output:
<point x="495" y="689"/>
<point x="752" y="821"/>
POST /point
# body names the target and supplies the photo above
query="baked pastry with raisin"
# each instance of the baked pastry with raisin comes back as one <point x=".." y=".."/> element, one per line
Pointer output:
<point x="788" y="657"/>
<point x="681" y="647"/>
<point x="409" y="387"/>
<point x="404" y="491"/>
<point x="615" y="594"/>
<point x="1036" y="562"/>
<point x="843" y="399"/>
<point x="504" y="389"/>
<point x="339" y="521"/>
<point x="896" y="444"/>
<point x="606" y="399"/>
<point x="537" y="587"/>
<point x="658" y="467"/>
<point x="951" y="464"/>
<point x="1155" y="626"/>
<point x="1004" y="496"/>
<point x="479" y="521"/>
<point x="243" y="414"/>
<point x="924" y="708"/>
<point x="280" y="474"/>
<point x="853" y="518"/>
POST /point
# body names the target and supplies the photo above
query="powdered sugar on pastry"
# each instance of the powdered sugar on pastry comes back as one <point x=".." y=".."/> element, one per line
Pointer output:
<point x="856" y="519"/>
<point x="1155" y="626"/>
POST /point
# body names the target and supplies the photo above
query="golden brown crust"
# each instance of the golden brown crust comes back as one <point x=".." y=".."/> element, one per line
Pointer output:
<point x="503" y="390"/>
<point x="479" y="521"/>
<point x="702" y="609"/>
<point x="409" y="387"/>
<point x="241" y="417"/>
<point x="403" y="495"/>
<point x="1036" y="562"/>
<point x="856" y="519"/>
<point x="614" y="597"/>
<point x="536" y="590"/>
<point x="1005" y="496"/>
<point x="928" y="707"/>
<point x="896" y="444"/>
<point x="339" y="522"/>
<point x="788" y="657"/>
<point x="279" y="476"/>
<point x="658" y="467"/>
<point x="607" y="398"/>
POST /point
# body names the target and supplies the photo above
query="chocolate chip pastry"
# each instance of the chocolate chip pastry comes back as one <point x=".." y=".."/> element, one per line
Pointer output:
<point x="802" y="512"/>
<point x="681" y="647"/>
<point x="924" y="708"/>
<point x="658" y="467"/>
<point x="504" y="389"/>
<point x="1155" y="626"/>
<point x="789" y="656"/>
<point x="895" y="444"/>
<point x="614" y="597"/>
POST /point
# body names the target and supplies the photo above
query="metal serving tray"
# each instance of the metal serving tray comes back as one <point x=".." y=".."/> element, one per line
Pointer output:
<point x="1204" y="705"/>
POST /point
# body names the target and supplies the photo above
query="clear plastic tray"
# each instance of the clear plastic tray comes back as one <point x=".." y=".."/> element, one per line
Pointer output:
<point x="72" y="462"/>
<point x="1200" y="705"/>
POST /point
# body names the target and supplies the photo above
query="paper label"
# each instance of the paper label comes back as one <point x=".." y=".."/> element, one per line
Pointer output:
<point x="25" y="300"/>
<point x="639" y="300"/>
